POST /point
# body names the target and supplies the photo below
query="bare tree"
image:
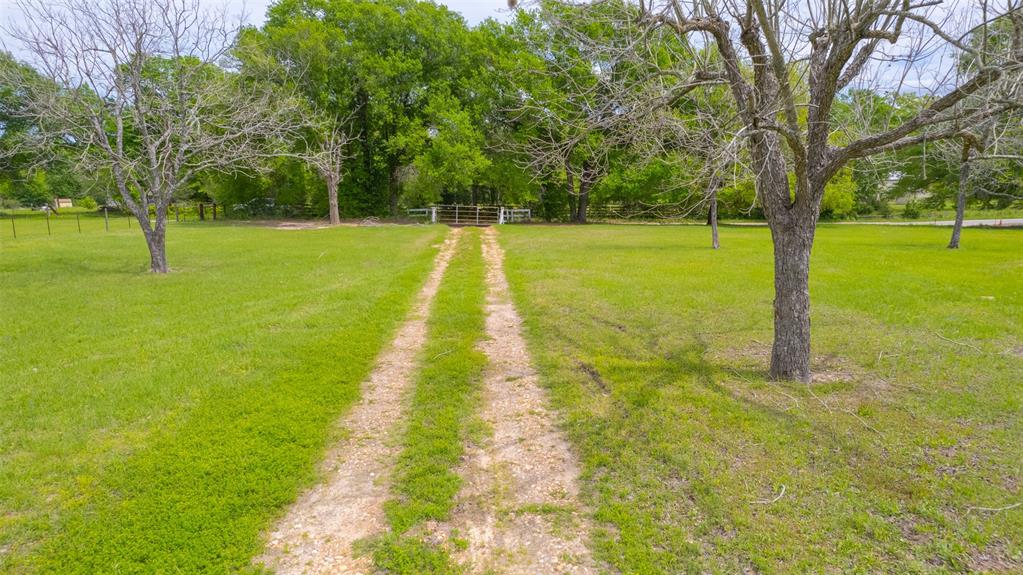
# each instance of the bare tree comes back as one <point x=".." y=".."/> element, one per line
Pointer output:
<point x="568" y="101"/>
<point x="328" y="156"/>
<point x="785" y="64"/>
<point x="996" y="137"/>
<point x="705" y="160"/>
<point x="983" y="154"/>
<point x="144" y="90"/>
<point x="970" y="144"/>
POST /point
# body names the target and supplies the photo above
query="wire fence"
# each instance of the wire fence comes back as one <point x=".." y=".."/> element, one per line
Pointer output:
<point x="27" y="223"/>
<point x="640" y="211"/>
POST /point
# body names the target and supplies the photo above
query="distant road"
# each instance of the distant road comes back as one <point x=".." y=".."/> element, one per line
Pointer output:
<point x="997" y="223"/>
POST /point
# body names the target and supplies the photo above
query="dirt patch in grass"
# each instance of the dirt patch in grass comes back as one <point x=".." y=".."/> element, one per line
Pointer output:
<point x="995" y="558"/>
<point x="518" y="511"/>
<point x="594" y="376"/>
<point x="297" y="225"/>
<point x="317" y="534"/>
<point x="753" y="361"/>
<point x="371" y="222"/>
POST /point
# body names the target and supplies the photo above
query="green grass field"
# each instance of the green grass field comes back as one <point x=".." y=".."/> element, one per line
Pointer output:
<point x="158" y="424"/>
<point x="656" y="349"/>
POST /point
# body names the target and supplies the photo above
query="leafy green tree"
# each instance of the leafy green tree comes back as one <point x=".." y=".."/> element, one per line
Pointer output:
<point x="409" y="77"/>
<point x="28" y="178"/>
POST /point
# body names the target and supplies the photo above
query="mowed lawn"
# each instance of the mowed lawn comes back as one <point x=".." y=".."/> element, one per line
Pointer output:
<point x="159" y="424"/>
<point x="656" y="349"/>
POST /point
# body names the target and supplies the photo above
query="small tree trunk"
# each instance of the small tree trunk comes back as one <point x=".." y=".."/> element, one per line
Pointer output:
<point x="332" y="184"/>
<point x="790" y="355"/>
<point x="542" y="192"/>
<point x="570" y="184"/>
<point x="964" y="182"/>
<point x="585" y="183"/>
<point x="712" y="217"/>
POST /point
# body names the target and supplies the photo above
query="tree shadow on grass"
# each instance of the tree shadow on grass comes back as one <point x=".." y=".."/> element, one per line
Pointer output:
<point x="693" y="359"/>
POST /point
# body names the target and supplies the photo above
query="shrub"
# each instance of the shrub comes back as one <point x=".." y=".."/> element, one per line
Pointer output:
<point x="88" y="203"/>
<point x="739" y="200"/>
<point x="911" y="211"/>
<point x="839" y="196"/>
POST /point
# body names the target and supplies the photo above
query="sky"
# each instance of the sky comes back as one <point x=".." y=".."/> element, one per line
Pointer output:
<point x="474" y="11"/>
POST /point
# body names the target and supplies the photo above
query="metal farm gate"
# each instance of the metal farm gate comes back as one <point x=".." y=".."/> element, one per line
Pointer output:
<point x="457" y="215"/>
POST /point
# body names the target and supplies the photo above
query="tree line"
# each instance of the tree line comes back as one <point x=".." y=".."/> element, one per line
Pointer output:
<point x="413" y="106"/>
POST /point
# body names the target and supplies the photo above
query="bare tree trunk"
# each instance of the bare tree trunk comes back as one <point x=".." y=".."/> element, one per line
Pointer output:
<point x="156" y="237"/>
<point x="570" y="184"/>
<point x="792" y="232"/>
<point x="964" y="182"/>
<point x="156" y="241"/>
<point x="583" y="203"/>
<point x="712" y="214"/>
<point x="332" y="184"/>
<point x="714" y="220"/>
<point x="790" y="355"/>
<point x="585" y="183"/>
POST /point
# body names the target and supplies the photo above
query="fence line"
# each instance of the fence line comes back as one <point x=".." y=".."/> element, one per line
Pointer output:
<point x="24" y="223"/>
<point x="641" y="211"/>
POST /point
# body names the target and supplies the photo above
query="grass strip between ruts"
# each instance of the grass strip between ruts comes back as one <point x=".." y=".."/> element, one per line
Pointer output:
<point x="441" y="416"/>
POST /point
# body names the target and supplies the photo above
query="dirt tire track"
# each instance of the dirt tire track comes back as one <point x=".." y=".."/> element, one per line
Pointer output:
<point x="317" y="533"/>
<point x="518" y="508"/>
